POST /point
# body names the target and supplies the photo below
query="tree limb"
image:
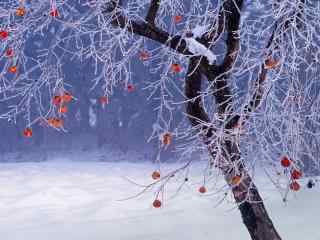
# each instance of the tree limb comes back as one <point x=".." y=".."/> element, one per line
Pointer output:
<point x="153" y="10"/>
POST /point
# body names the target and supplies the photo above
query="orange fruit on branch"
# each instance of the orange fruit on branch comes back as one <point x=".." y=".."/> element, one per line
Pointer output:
<point x="157" y="203"/>
<point x="296" y="174"/>
<point x="57" y="100"/>
<point x="130" y="87"/>
<point x="27" y="132"/>
<point x="54" y="13"/>
<point x="294" y="186"/>
<point x="13" y="69"/>
<point x="55" y="122"/>
<point x="4" y="34"/>
<point x="235" y="180"/>
<point x="177" y="18"/>
<point x="104" y="100"/>
<point x="63" y="109"/>
<point x="20" y="11"/>
<point x="9" y="52"/>
<point x="144" y="55"/>
<point x="285" y="162"/>
<point x="67" y="97"/>
<point x="155" y="175"/>
<point x="166" y="138"/>
<point x="271" y="63"/>
<point x="202" y="189"/>
<point x="176" y="68"/>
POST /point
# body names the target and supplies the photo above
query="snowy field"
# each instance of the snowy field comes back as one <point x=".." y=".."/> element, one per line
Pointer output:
<point x="77" y="200"/>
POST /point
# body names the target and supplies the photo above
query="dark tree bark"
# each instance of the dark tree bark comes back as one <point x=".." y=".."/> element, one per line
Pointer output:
<point x="246" y="195"/>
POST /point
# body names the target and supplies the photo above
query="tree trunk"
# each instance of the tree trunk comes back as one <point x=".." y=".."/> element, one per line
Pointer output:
<point x="253" y="212"/>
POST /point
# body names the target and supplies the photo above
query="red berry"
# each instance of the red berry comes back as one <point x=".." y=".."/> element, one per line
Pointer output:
<point x="130" y="88"/>
<point x="144" y="56"/>
<point x="295" y="186"/>
<point x="4" y="34"/>
<point x="57" y="100"/>
<point x="27" y="132"/>
<point x="66" y="97"/>
<point x="13" y="69"/>
<point x="155" y="175"/>
<point x="285" y="162"/>
<point x="9" y="52"/>
<point x="177" y="19"/>
<point x="156" y="203"/>
<point x="54" y="13"/>
<point x="296" y="174"/>
<point x="202" y="189"/>
<point x="176" y="68"/>
<point x="104" y="100"/>
<point x="63" y="109"/>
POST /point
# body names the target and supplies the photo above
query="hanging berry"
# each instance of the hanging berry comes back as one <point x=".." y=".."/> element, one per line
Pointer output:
<point x="157" y="203"/>
<point x="20" y="11"/>
<point x="271" y="63"/>
<point x="57" y="100"/>
<point x="155" y="175"/>
<point x="285" y="162"/>
<point x="67" y="97"/>
<point x="177" y="18"/>
<point x="63" y="109"/>
<point x="130" y="87"/>
<point x="295" y="186"/>
<point x="104" y="100"/>
<point x="4" y="35"/>
<point x="166" y="138"/>
<point x="55" y="122"/>
<point x="9" y="52"/>
<point x="144" y="56"/>
<point x="235" y="180"/>
<point x="54" y="13"/>
<point x="13" y="69"/>
<point x="202" y="189"/>
<point x="176" y="68"/>
<point x="296" y="174"/>
<point x="27" y="132"/>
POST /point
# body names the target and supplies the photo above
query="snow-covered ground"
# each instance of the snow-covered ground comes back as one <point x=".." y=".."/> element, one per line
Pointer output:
<point x="77" y="200"/>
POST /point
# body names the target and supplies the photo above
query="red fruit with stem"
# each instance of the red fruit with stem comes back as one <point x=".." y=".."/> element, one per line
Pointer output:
<point x="54" y="13"/>
<point x="130" y="87"/>
<point x="296" y="174"/>
<point x="144" y="55"/>
<point x="27" y="132"/>
<point x="9" y="52"/>
<point x="177" y="19"/>
<point x="155" y="175"/>
<point x="13" y="69"/>
<point x="63" y="109"/>
<point x="285" y="162"/>
<point x="67" y="97"/>
<point x="202" y="189"/>
<point x="57" y="100"/>
<point x="157" y="203"/>
<point x="4" y="35"/>
<point x="104" y="100"/>
<point x="295" y="186"/>
<point x="176" y="68"/>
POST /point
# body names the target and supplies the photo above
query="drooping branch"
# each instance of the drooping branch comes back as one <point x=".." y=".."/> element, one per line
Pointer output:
<point x="259" y="88"/>
<point x="153" y="10"/>
<point x="220" y="75"/>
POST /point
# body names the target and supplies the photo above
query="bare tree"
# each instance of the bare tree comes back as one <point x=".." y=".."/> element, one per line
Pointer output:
<point x="236" y="55"/>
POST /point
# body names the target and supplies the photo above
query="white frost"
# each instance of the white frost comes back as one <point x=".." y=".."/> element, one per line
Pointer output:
<point x="199" y="49"/>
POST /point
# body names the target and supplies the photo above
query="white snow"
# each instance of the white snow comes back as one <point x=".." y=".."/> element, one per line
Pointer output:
<point x="199" y="30"/>
<point x="199" y="49"/>
<point x="70" y="200"/>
